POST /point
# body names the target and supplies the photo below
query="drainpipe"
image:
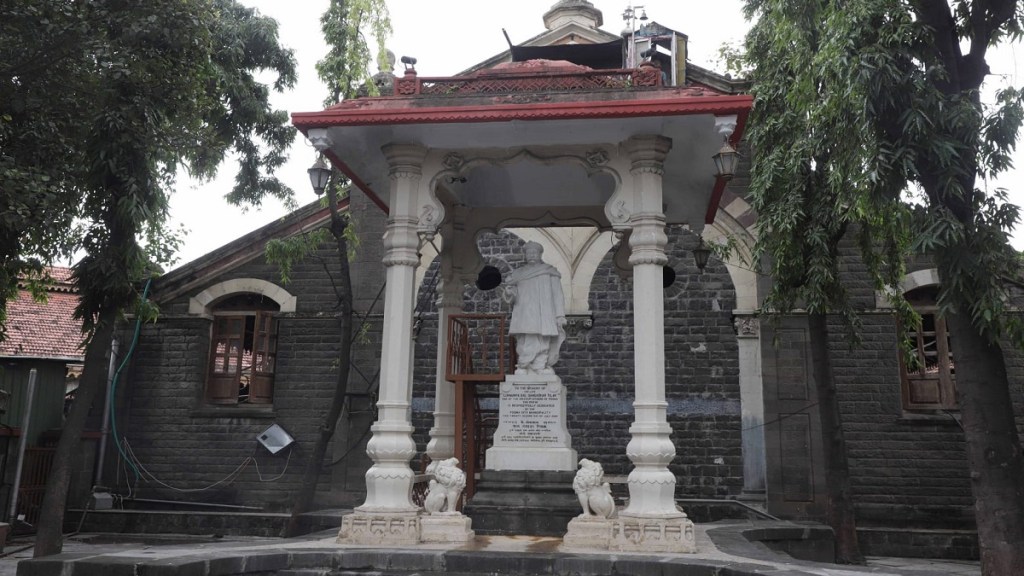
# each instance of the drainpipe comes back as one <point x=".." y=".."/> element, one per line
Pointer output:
<point x="101" y="456"/>
<point x="26" y="418"/>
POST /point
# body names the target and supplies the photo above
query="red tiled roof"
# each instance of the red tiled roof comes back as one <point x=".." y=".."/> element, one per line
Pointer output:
<point x="44" y="330"/>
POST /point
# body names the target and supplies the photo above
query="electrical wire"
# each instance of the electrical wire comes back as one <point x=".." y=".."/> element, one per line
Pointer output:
<point x="226" y="480"/>
<point x="124" y="448"/>
<point x="279" y="476"/>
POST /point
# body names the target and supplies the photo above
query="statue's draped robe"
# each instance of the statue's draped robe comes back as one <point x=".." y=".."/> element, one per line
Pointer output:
<point x="539" y="304"/>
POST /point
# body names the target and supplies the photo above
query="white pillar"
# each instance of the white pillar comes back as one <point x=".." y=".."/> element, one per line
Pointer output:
<point x="389" y="480"/>
<point x="442" y="435"/>
<point x="752" y="406"/>
<point x="651" y="484"/>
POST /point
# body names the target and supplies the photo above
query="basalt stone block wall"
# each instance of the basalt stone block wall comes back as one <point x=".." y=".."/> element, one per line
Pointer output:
<point x="908" y="469"/>
<point x="702" y="370"/>
<point x="188" y="444"/>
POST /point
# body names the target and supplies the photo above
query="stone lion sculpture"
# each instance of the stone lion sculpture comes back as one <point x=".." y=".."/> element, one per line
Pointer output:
<point x="446" y="486"/>
<point x="594" y="495"/>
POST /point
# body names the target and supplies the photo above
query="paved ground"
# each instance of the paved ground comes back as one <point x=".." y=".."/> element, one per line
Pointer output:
<point x="171" y="547"/>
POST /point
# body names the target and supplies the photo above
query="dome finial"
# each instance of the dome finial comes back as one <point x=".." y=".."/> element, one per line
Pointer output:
<point x="580" y="12"/>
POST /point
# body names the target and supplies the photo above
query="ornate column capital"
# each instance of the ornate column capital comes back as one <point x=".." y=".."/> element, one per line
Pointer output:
<point x="404" y="160"/>
<point x="647" y="153"/>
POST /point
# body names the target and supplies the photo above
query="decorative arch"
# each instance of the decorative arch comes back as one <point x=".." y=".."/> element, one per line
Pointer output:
<point x="912" y="281"/>
<point x="200" y="303"/>
<point x="740" y="261"/>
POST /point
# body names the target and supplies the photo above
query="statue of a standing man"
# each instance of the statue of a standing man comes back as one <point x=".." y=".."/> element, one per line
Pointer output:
<point x="538" y="312"/>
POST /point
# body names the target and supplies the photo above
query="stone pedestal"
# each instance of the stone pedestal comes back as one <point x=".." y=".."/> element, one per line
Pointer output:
<point x="531" y="434"/>
<point x="446" y="528"/>
<point x="671" y="535"/>
<point x="534" y="503"/>
<point x="374" y="529"/>
<point x="588" y="533"/>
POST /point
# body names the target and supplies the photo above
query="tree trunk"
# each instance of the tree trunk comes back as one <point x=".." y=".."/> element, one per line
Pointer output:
<point x="49" y="538"/>
<point x="841" y="515"/>
<point x="343" y="290"/>
<point x="993" y="448"/>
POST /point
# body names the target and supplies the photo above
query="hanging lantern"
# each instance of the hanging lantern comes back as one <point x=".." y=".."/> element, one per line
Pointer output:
<point x="319" y="173"/>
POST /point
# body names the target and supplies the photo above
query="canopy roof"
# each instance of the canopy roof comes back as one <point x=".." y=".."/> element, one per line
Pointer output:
<point x="539" y="104"/>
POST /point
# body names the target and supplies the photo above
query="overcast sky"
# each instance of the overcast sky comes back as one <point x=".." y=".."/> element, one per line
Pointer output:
<point x="446" y="36"/>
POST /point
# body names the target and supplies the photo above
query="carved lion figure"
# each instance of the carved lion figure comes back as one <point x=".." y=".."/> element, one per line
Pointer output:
<point x="594" y="495"/>
<point x="446" y="487"/>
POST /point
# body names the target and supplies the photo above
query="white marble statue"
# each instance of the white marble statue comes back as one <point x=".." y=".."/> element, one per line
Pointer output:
<point x="595" y="496"/>
<point x="538" y="312"/>
<point x="446" y="486"/>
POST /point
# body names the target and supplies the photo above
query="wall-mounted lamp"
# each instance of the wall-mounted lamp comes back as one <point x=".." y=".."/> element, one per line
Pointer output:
<point x="319" y="174"/>
<point x="701" y="255"/>
<point x="726" y="161"/>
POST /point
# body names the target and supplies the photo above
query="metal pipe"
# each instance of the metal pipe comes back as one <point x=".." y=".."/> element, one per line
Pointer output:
<point x="101" y="456"/>
<point x="26" y="419"/>
<point x="196" y="504"/>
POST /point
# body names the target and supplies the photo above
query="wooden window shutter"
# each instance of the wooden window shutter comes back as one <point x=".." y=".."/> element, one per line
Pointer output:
<point x="930" y="383"/>
<point x="264" y="347"/>
<point x="226" y="350"/>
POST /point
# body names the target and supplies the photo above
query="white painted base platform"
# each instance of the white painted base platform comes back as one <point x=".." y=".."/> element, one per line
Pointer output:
<point x="446" y="528"/>
<point x="672" y="535"/>
<point x="389" y="529"/>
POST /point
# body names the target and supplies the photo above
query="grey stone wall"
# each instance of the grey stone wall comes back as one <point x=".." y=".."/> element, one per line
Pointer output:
<point x="189" y="445"/>
<point x="908" y="468"/>
<point x="702" y="373"/>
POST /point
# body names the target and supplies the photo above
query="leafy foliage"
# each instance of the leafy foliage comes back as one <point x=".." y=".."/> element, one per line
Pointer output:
<point x="285" y="253"/>
<point x="101" y="103"/>
<point x="346" y="64"/>
<point x="868" y="120"/>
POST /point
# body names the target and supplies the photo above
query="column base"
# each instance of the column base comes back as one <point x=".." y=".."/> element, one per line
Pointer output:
<point x="393" y="529"/>
<point x="754" y="498"/>
<point x="625" y="534"/>
<point x="446" y="528"/>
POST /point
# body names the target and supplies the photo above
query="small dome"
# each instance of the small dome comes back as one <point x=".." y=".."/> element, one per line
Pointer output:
<point x="580" y="12"/>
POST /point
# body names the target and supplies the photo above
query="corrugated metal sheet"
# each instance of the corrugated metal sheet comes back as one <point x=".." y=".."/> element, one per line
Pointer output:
<point x="48" y="406"/>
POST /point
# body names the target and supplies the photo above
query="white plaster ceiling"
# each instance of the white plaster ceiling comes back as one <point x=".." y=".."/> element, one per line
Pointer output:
<point x="689" y="170"/>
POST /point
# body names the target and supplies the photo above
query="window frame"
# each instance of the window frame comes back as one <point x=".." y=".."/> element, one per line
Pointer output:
<point x="915" y="384"/>
<point x="225" y="387"/>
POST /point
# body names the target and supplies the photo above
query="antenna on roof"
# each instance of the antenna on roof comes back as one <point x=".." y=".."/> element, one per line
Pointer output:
<point x="507" y="39"/>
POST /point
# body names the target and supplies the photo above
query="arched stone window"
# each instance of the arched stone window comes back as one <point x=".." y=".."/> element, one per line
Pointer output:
<point x="243" y="343"/>
<point x="243" y="350"/>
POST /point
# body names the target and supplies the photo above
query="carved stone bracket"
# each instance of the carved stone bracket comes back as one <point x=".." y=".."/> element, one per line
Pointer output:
<point x="597" y="157"/>
<point x="746" y="326"/>
<point x="577" y="326"/>
<point x="453" y="161"/>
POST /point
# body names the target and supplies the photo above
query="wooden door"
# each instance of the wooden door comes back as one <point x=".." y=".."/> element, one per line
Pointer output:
<point x="796" y="472"/>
